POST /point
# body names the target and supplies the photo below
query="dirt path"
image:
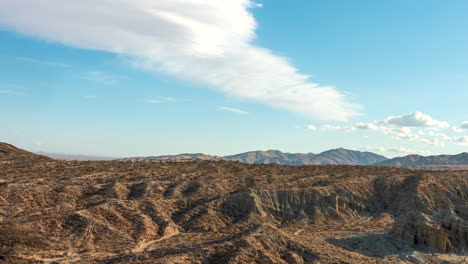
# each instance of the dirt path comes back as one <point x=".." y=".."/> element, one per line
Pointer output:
<point x="75" y="258"/>
<point x="144" y="246"/>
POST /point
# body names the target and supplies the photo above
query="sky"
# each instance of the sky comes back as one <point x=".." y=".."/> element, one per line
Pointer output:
<point x="141" y="77"/>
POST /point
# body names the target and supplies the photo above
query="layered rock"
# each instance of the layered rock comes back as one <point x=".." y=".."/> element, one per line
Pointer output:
<point x="445" y="231"/>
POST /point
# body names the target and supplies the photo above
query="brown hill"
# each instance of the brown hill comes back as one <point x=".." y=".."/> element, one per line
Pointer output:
<point x="229" y="212"/>
<point x="10" y="153"/>
<point x="440" y="162"/>
<point x="7" y="149"/>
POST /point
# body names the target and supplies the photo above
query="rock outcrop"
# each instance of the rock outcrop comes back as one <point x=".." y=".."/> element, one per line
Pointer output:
<point x="445" y="231"/>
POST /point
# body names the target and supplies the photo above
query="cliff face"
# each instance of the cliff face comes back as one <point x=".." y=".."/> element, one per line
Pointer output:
<point x="227" y="212"/>
<point x="446" y="230"/>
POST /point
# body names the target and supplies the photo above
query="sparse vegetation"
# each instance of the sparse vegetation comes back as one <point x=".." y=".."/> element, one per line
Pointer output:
<point x="225" y="212"/>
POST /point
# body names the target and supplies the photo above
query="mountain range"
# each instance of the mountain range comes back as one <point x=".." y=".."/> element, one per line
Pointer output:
<point x="336" y="156"/>
<point x="439" y="162"/>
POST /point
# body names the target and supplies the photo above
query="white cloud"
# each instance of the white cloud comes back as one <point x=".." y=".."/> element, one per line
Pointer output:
<point x="464" y="125"/>
<point x="204" y="40"/>
<point x="457" y="129"/>
<point x="311" y="127"/>
<point x="433" y="141"/>
<point x="339" y="128"/>
<point x="234" y="110"/>
<point x="153" y="101"/>
<point x="369" y="126"/>
<point x="166" y="99"/>
<point x="160" y="99"/>
<point x="462" y="141"/>
<point x="98" y="76"/>
<point x="401" y="128"/>
<point x="396" y="133"/>
<point x="415" y="119"/>
<point x="42" y="62"/>
<point x="9" y="92"/>
<point x="397" y="150"/>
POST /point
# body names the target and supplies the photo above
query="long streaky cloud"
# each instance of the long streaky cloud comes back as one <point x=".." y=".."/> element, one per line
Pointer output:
<point x="234" y="110"/>
<point x="42" y="62"/>
<point x="206" y="41"/>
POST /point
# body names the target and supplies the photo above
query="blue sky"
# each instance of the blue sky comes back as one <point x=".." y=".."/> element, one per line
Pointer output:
<point x="223" y="77"/>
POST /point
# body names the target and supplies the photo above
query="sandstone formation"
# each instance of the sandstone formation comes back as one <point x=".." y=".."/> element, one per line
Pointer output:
<point x="445" y="231"/>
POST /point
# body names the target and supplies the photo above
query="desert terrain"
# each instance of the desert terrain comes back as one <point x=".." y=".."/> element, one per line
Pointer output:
<point x="227" y="212"/>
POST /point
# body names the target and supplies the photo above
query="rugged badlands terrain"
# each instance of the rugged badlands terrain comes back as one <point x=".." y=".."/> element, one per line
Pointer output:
<point x="227" y="212"/>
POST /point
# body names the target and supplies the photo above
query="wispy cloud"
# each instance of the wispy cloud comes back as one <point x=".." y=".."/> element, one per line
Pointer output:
<point x="166" y="99"/>
<point x="311" y="127"/>
<point x="7" y="92"/>
<point x="457" y="129"/>
<point x="205" y="41"/>
<point x="402" y="128"/>
<point x="98" y="76"/>
<point x="43" y="62"/>
<point x="397" y="150"/>
<point x="161" y="99"/>
<point x="234" y="110"/>
<point x="153" y="101"/>
<point x="10" y="92"/>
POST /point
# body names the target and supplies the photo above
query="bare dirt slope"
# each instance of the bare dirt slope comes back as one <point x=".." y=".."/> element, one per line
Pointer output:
<point x="229" y="212"/>
<point x="7" y="149"/>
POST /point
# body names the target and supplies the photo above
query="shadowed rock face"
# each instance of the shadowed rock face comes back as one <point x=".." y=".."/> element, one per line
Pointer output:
<point x="446" y="230"/>
<point x="227" y="212"/>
